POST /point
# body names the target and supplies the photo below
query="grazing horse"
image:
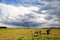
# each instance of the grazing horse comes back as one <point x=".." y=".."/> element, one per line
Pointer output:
<point x="37" y="33"/>
<point x="48" y="31"/>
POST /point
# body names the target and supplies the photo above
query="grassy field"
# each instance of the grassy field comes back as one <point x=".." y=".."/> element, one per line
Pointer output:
<point x="27" y="34"/>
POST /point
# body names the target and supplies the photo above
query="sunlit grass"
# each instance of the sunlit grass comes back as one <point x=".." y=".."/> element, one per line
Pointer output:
<point x="27" y="34"/>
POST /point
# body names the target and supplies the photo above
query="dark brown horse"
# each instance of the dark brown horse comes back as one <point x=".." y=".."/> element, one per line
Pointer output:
<point x="48" y="31"/>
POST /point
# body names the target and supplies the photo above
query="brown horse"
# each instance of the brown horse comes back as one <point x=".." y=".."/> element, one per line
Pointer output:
<point x="37" y="33"/>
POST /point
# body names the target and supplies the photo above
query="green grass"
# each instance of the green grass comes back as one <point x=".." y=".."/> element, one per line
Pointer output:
<point x="27" y="34"/>
<point x="40" y="38"/>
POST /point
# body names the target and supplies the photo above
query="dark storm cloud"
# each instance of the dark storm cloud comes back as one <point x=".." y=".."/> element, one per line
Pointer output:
<point x="31" y="15"/>
<point x="53" y="8"/>
<point x="57" y="12"/>
<point x="27" y="17"/>
<point x="53" y="25"/>
<point x="48" y="7"/>
<point x="24" y="24"/>
<point x="48" y="17"/>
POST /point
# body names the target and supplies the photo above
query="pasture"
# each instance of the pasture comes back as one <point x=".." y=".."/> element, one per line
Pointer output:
<point x="27" y="34"/>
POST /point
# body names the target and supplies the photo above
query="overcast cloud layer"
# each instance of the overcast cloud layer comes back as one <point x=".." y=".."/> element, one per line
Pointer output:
<point x="30" y="13"/>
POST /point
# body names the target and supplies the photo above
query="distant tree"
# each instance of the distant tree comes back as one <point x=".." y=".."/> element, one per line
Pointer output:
<point x="3" y="27"/>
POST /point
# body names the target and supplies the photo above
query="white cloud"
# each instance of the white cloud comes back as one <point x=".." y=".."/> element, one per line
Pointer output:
<point x="11" y="12"/>
<point x="44" y="11"/>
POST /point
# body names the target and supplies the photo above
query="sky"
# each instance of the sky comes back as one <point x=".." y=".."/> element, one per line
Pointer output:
<point x="30" y="13"/>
